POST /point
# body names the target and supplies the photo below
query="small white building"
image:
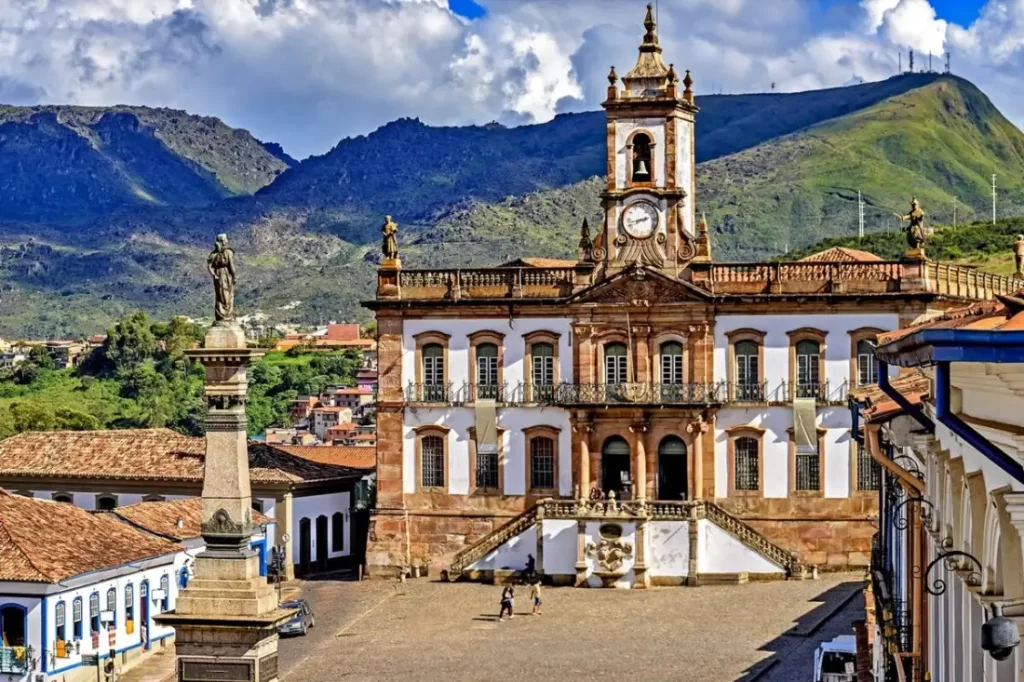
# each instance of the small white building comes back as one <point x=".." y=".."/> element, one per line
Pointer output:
<point x="79" y="590"/>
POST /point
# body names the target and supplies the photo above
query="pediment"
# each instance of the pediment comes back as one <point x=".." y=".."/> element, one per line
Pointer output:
<point x="641" y="286"/>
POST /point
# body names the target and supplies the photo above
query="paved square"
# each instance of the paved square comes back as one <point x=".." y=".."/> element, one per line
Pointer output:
<point x="433" y="631"/>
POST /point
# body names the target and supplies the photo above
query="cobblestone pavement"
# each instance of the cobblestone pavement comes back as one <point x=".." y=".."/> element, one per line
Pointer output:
<point x="433" y="631"/>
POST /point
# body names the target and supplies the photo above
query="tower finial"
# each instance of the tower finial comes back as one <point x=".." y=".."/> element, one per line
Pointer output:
<point x="688" y="87"/>
<point x="612" y="76"/>
<point x="651" y="37"/>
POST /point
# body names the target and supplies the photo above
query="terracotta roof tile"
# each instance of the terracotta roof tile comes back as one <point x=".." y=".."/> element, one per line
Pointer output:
<point x="992" y="314"/>
<point x="42" y="541"/>
<point x="841" y="254"/>
<point x="346" y="456"/>
<point x="535" y="262"/>
<point x="161" y="518"/>
<point x="140" y="455"/>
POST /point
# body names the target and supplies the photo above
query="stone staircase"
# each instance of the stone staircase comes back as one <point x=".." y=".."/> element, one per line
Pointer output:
<point x="690" y="511"/>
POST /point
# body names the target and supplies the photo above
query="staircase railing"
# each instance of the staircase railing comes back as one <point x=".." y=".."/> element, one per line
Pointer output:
<point x="753" y="539"/>
<point x="494" y="540"/>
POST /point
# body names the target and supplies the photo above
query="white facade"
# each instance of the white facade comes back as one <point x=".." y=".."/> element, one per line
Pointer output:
<point x="335" y="509"/>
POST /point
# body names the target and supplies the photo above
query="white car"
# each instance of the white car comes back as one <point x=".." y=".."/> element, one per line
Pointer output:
<point x="835" y="661"/>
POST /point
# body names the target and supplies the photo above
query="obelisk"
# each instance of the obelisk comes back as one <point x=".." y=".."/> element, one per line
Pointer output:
<point x="226" y="620"/>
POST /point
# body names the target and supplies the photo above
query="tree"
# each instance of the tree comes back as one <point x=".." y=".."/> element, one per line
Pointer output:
<point x="31" y="415"/>
<point x="41" y="358"/>
<point x="129" y="343"/>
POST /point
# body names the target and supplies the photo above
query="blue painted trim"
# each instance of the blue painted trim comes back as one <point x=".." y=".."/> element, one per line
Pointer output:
<point x="914" y="411"/>
<point x="81" y="634"/>
<point x="954" y="345"/>
<point x="107" y="655"/>
<point x="945" y="415"/>
<point x="42" y="644"/>
<point x="855" y="408"/>
<point x="261" y="547"/>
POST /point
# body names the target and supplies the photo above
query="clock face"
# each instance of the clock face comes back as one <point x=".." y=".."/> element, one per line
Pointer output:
<point x="640" y="219"/>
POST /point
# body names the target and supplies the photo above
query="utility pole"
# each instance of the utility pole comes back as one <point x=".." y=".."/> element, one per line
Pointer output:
<point x="948" y="70"/>
<point x="911" y="61"/>
<point x="860" y="221"/>
<point x="993" y="198"/>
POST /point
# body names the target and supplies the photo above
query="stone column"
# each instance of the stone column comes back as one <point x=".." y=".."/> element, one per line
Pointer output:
<point x="641" y="581"/>
<point x="640" y="427"/>
<point x="697" y="429"/>
<point x="286" y="526"/>
<point x="581" y="559"/>
<point x="583" y="427"/>
<point x="226" y="620"/>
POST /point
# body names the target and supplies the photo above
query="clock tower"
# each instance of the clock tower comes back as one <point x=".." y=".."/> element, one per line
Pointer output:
<point x="649" y="199"/>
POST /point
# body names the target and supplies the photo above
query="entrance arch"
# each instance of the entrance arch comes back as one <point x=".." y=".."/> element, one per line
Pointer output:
<point x="672" y="479"/>
<point x="615" y="466"/>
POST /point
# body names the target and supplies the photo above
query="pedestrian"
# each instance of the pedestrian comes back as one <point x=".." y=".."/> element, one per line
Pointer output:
<point x="535" y="596"/>
<point x="508" y="600"/>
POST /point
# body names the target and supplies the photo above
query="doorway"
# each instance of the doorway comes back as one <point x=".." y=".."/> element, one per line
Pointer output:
<point x="144" y="612"/>
<point x="615" y="469"/>
<point x="672" y="481"/>
<point x="321" y="543"/>
<point x="305" y="547"/>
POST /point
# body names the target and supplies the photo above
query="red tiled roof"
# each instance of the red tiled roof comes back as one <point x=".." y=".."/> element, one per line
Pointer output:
<point x="44" y="541"/>
<point x="913" y="385"/>
<point x="161" y="518"/>
<point x="841" y="254"/>
<point x="1004" y="313"/>
<point x="347" y="456"/>
<point x="139" y="455"/>
<point x="342" y="332"/>
<point x="535" y="262"/>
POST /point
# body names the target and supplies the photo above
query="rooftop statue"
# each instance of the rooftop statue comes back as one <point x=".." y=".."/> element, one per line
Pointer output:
<point x="1018" y="254"/>
<point x="915" y="228"/>
<point x="390" y="232"/>
<point x="221" y="264"/>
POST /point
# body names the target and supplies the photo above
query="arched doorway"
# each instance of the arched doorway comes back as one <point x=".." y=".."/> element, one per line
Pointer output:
<point x="672" y="482"/>
<point x="321" y="543"/>
<point x="305" y="547"/>
<point x="615" y="469"/>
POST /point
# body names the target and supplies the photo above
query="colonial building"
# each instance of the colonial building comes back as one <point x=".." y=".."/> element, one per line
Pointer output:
<point x="309" y="501"/>
<point x="642" y="413"/>
<point x="947" y="559"/>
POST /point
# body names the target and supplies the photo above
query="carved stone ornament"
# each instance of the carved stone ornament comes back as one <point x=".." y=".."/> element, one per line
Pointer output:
<point x="641" y="288"/>
<point x="225" y="402"/>
<point x="611" y="554"/>
<point x="222" y="524"/>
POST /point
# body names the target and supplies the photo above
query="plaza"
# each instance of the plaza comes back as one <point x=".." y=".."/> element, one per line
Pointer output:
<point x="426" y="630"/>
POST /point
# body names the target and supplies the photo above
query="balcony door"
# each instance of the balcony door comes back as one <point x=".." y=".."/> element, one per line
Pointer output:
<point x="616" y="369"/>
<point x="808" y="361"/>
<point x="672" y="480"/>
<point x="615" y="466"/>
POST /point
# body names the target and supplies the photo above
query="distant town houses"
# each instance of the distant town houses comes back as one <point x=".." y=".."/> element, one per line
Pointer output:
<point x="64" y="353"/>
<point x="333" y="336"/>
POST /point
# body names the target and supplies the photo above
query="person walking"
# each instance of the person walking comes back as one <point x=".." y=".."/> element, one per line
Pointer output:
<point x="535" y="596"/>
<point x="508" y="600"/>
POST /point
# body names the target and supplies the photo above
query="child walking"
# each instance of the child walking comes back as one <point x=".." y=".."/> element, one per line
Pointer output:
<point x="535" y="596"/>
<point x="508" y="600"/>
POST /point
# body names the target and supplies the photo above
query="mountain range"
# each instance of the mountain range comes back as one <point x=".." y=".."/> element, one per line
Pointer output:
<point x="108" y="210"/>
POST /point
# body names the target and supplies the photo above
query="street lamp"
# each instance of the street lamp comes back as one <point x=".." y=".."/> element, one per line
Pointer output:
<point x="999" y="635"/>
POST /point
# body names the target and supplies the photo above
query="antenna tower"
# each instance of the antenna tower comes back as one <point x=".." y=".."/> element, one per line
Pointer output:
<point x="911" y="61"/>
<point x="948" y="70"/>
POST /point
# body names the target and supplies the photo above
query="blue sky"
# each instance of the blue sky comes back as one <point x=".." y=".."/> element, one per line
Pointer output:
<point x="962" y="12"/>
<point x="467" y="8"/>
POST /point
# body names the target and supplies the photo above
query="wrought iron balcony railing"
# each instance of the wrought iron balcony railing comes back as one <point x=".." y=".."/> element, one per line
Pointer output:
<point x="637" y="393"/>
<point x="429" y="393"/>
<point x="13" y="659"/>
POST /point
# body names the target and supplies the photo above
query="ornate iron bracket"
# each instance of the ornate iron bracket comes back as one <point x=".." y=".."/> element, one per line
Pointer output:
<point x="926" y="515"/>
<point x="911" y="466"/>
<point x="952" y="560"/>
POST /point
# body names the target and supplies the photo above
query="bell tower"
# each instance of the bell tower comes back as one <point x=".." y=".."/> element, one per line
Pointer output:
<point x="649" y="199"/>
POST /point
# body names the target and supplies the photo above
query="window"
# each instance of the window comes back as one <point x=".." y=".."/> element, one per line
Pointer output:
<point x="869" y="472"/>
<point x="60" y="616"/>
<point x="94" y="611"/>
<point x="65" y="498"/>
<point x="431" y="367"/>
<point x="615" y="366"/>
<point x="867" y="367"/>
<point x="165" y="585"/>
<point x="747" y="463"/>
<point x="808" y="361"/>
<point x="672" y="363"/>
<point x="542" y="464"/>
<point x="487" y="371"/>
<point x="112" y="604"/>
<point x="257" y="505"/>
<point x="154" y="498"/>
<point x="106" y="502"/>
<point x="486" y="469"/>
<point x="14" y="625"/>
<point x="543" y="369"/>
<point x="129" y="602"/>
<point x="641" y="170"/>
<point x="433" y="364"/>
<point x="337" y="532"/>
<point x="76" y="617"/>
<point x="808" y="471"/>
<point x="432" y="458"/>
<point x="748" y="387"/>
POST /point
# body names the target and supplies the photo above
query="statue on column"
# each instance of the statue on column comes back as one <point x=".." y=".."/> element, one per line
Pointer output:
<point x="389" y="247"/>
<point x="915" y="229"/>
<point x="221" y="264"/>
<point x="1018" y="254"/>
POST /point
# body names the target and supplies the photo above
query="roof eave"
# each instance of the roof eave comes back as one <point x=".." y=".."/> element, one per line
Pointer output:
<point x="928" y="346"/>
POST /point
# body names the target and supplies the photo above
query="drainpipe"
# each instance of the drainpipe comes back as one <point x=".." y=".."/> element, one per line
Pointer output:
<point x="914" y="411"/>
<point x="945" y="415"/>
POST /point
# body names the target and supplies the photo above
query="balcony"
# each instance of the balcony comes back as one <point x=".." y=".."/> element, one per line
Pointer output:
<point x="13" y="660"/>
<point x="637" y="394"/>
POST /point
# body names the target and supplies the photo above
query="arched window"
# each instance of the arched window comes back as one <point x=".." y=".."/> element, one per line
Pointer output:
<point x="129" y="602"/>
<point x="154" y="498"/>
<point x="748" y="386"/>
<point x="112" y="604"/>
<point x="808" y="361"/>
<point x="867" y="365"/>
<point x="487" y="371"/>
<point x="165" y="585"/>
<point x="106" y="502"/>
<point x="65" y="498"/>
<point x="94" y="611"/>
<point x="641" y="168"/>
<point x="432" y="461"/>
<point x="76" y="618"/>
<point x="748" y="464"/>
<point x="672" y="363"/>
<point x="13" y="625"/>
<point x="672" y="479"/>
<point x="615" y="367"/>
<point x="542" y="463"/>
<point x="433" y="372"/>
<point x="60" y="618"/>
<point x="543" y="369"/>
<point x="337" y="532"/>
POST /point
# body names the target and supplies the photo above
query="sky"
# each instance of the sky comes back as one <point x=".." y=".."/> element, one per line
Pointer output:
<point x="307" y="73"/>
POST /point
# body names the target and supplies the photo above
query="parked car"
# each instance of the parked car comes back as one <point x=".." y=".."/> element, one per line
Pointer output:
<point x="301" y="621"/>
<point x="834" y="661"/>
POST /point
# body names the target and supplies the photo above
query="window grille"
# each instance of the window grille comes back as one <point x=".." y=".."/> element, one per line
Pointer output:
<point x="487" y="470"/>
<point x="869" y="472"/>
<point x="808" y="471"/>
<point x="748" y="464"/>
<point x="542" y="464"/>
<point x="432" y="460"/>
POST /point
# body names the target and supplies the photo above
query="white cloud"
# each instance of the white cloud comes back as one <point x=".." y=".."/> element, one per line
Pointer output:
<point x="308" y="72"/>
